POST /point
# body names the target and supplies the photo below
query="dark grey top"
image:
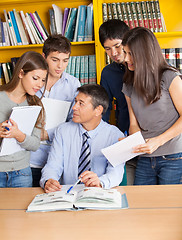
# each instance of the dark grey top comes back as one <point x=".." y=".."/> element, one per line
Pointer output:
<point x="18" y="160"/>
<point x="156" y="118"/>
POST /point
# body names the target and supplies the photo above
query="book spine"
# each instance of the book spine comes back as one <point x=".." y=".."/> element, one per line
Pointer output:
<point x="71" y="25"/>
<point x="144" y="13"/>
<point x="41" y="23"/>
<point x="5" y="72"/>
<point x="65" y="17"/>
<point x="77" y="70"/>
<point x="92" y="69"/>
<point x="32" y="29"/>
<point x="68" y="69"/>
<point x="34" y="23"/>
<point x="52" y="21"/>
<point x="73" y="60"/>
<point x="2" y="81"/>
<point x="114" y="11"/>
<point x="154" y="17"/>
<point x="12" y="30"/>
<point x="139" y="14"/>
<point x="81" y="26"/>
<point x="130" y="20"/>
<point x="109" y="11"/>
<point x="171" y="56"/>
<point x="125" y="18"/>
<point x="89" y="24"/>
<point x="8" y="27"/>
<point x="179" y="59"/>
<point x="104" y="12"/>
<point x="28" y="32"/>
<point x="41" y="30"/>
<point x="8" y="66"/>
<point x="6" y="35"/>
<point x="2" y="41"/>
<point x="58" y="18"/>
<point x="86" y="69"/>
<point x="149" y="16"/>
<point x="14" y="23"/>
<point x="134" y="14"/>
<point x="159" y="21"/>
<point x="119" y="12"/>
<point x="82" y="69"/>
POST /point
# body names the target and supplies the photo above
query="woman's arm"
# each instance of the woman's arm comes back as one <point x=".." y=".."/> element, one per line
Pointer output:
<point x="152" y="144"/>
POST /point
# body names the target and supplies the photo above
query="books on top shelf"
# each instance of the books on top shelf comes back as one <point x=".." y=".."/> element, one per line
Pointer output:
<point x="77" y="23"/>
<point x="79" y="198"/>
<point x="134" y="14"/>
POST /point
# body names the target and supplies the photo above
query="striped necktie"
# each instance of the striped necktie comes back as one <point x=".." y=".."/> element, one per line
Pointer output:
<point x="84" y="160"/>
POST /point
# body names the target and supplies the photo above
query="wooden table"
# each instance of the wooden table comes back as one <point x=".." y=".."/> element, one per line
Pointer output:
<point x="155" y="213"/>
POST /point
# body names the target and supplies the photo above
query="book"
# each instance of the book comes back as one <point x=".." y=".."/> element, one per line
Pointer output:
<point x="9" y="70"/>
<point x="81" y="25"/>
<point x="89" y="24"/>
<point x="2" y="37"/>
<point x="73" y="66"/>
<point x="52" y="21"/>
<point x="154" y="16"/>
<point x="69" y="33"/>
<point x="75" y="38"/>
<point x="8" y="28"/>
<point x="170" y="55"/>
<point x="130" y="20"/>
<point x="125" y="17"/>
<point x="82" y="70"/>
<point x="68" y="69"/>
<point x="58" y="18"/>
<point x="6" y="34"/>
<point x="118" y="8"/>
<point x="28" y="32"/>
<point x="34" y="24"/>
<point x="179" y="59"/>
<point x="25" y="117"/>
<point x="104" y="12"/>
<point x="2" y="81"/>
<point x="92" y="69"/>
<point x="13" y="62"/>
<point x="149" y="16"/>
<point x="139" y="14"/>
<point x="65" y="17"/>
<point x="144" y="14"/>
<point x="114" y="11"/>
<point x="158" y="13"/>
<point x="21" y="28"/>
<point x="77" y="69"/>
<point x="32" y="29"/>
<point x="134" y="14"/>
<point x="39" y="26"/>
<point x="5" y="73"/>
<point x="15" y="26"/>
<point x="79" y="198"/>
<point x="41" y="23"/>
<point x="86" y="69"/>
<point x="12" y="30"/>
<point x="109" y="11"/>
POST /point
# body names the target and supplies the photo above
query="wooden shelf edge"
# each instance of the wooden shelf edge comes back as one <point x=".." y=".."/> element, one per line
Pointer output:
<point x="168" y="34"/>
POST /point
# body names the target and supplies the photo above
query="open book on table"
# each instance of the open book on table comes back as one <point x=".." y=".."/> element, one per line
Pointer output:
<point x="79" y="198"/>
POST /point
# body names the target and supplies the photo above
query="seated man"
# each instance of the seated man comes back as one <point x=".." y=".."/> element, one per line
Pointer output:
<point x="76" y="149"/>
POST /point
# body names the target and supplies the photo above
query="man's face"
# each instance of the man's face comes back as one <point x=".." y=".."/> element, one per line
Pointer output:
<point x="113" y="48"/>
<point x="83" y="111"/>
<point x="57" y="63"/>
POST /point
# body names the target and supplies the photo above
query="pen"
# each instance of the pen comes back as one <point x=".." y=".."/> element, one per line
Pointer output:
<point x="7" y="128"/>
<point x="125" y="134"/>
<point x="74" y="185"/>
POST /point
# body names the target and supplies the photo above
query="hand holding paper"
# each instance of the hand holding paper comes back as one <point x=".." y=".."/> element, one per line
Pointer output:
<point x="122" y="151"/>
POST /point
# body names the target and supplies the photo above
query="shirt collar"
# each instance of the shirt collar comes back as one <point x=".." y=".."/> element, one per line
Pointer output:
<point x="93" y="132"/>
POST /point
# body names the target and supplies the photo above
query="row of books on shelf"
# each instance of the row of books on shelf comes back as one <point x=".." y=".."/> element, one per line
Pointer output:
<point x="136" y="14"/>
<point x="174" y="57"/>
<point x="22" y="29"/>
<point x="83" y="68"/>
<point x="74" y="23"/>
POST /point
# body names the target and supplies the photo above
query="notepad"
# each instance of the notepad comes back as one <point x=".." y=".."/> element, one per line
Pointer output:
<point x="25" y="117"/>
<point x="78" y="199"/>
<point x="121" y="151"/>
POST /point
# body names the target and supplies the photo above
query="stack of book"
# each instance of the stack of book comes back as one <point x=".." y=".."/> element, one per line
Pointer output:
<point x="134" y="14"/>
<point x="22" y="29"/>
<point x="76" y="24"/>
<point x="83" y="68"/>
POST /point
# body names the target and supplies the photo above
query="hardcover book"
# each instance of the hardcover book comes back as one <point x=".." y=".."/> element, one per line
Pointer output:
<point x="79" y="198"/>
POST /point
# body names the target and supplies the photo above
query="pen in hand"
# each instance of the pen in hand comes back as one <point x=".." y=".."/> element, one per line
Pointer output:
<point x="7" y="128"/>
<point x="79" y="180"/>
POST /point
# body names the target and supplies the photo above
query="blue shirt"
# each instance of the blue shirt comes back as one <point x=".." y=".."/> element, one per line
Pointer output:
<point x="64" y="155"/>
<point x="112" y="81"/>
<point x="64" y="89"/>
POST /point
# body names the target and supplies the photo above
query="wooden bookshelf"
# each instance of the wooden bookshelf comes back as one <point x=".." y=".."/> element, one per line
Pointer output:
<point x="42" y="7"/>
<point x="171" y="11"/>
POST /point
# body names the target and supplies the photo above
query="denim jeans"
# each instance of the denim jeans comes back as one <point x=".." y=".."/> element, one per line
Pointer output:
<point x="19" y="178"/>
<point x="165" y="169"/>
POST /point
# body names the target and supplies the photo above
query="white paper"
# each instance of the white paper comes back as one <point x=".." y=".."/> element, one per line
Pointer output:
<point x="121" y="151"/>
<point x="25" y="117"/>
<point x="56" y="111"/>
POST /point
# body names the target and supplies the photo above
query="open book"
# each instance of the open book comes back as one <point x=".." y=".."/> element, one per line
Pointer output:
<point x="79" y="198"/>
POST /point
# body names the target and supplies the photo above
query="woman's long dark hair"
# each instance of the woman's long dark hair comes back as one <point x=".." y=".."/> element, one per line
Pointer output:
<point x="28" y="62"/>
<point x="148" y="61"/>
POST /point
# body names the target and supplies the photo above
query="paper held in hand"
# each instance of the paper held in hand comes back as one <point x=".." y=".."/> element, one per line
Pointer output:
<point x="121" y="151"/>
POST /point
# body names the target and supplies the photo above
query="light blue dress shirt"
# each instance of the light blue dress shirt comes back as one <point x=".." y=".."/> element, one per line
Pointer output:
<point x="64" y="89"/>
<point x="64" y="155"/>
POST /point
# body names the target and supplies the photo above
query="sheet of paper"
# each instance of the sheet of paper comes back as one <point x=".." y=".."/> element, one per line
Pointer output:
<point x="56" y="111"/>
<point x="25" y="117"/>
<point x="121" y="151"/>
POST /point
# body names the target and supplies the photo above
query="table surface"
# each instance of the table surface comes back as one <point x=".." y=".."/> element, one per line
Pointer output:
<point x="155" y="213"/>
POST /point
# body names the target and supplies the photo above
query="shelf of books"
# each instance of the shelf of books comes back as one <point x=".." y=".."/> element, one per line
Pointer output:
<point x="25" y="25"/>
<point x="162" y="17"/>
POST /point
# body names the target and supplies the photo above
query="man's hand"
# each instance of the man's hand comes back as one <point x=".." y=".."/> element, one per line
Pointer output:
<point x="90" y="179"/>
<point x="52" y="186"/>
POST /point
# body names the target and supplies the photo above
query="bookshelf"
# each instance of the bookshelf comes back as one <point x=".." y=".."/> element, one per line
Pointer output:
<point x="42" y="7"/>
<point x="171" y="11"/>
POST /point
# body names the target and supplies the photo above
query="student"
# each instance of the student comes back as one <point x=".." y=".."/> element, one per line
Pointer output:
<point x="153" y="91"/>
<point x="63" y="165"/>
<point x="30" y="74"/>
<point x="111" y="34"/>
<point x="60" y="86"/>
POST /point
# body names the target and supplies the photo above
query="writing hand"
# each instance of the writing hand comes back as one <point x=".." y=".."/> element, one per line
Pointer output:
<point x="52" y="186"/>
<point x="90" y="179"/>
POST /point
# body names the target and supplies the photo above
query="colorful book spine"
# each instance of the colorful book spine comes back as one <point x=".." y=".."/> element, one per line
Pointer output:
<point x="159" y="21"/>
<point x="149" y="16"/>
<point x="130" y="20"/>
<point x="65" y="17"/>
<point x="92" y="69"/>
<point x="36" y="27"/>
<point x="144" y="14"/>
<point x="134" y="14"/>
<point x="82" y="70"/>
<point x="139" y="14"/>
<point x="68" y="69"/>
<point x="86" y="69"/>
<point x="41" y="23"/>
<point x="77" y="69"/>
<point x="32" y="29"/>
<point x="171" y="56"/>
<point x="39" y="26"/>
<point x="2" y="37"/>
<point x="114" y="11"/>
<point x="15" y="26"/>
<point x="119" y="12"/>
<point x="109" y="11"/>
<point x="81" y="26"/>
<point x="2" y="81"/>
<point x="179" y="59"/>
<point x="154" y="17"/>
<point x="5" y="72"/>
<point x="89" y="24"/>
<point x="6" y="35"/>
<point x="104" y="12"/>
<point x="71" y="25"/>
<point x="72" y="70"/>
<point x="52" y="21"/>
<point x="125" y="18"/>
<point x="13" y="36"/>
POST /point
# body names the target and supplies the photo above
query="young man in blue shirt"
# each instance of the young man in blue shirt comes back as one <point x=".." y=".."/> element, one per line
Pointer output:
<point x="60" y="86"/>
<point x="111" y="34"/>
<point x="62" y="166"/>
